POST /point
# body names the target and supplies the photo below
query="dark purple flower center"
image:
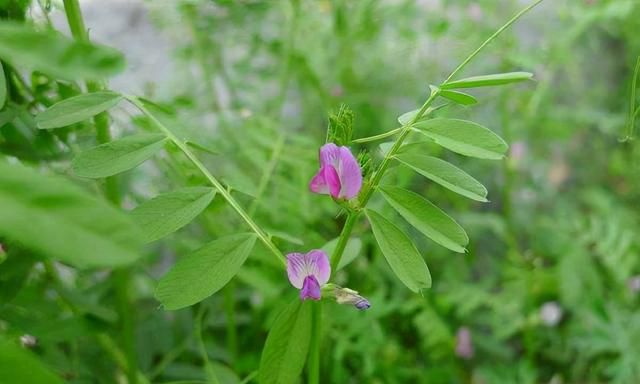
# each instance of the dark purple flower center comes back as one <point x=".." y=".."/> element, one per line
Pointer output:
<point x="310" y="289"/>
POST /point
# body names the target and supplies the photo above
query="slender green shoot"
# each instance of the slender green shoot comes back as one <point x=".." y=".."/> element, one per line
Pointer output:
<point x="262" y="235"/>
<point x="633" y="110"/>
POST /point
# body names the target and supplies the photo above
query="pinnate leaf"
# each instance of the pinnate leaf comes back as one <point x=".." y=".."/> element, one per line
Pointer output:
<point x="287" y="345"/>
<point x="464" y="137"/>
<point x="18" y="365"/>
<point x="168" y="212"/>
<point x="488" y="80"/>
<point x="204" y="272"/>
<point x="459" y="97"/>
<point x="76" y="109"/>
<point x="117" y="156"/>
<point x="55" y="54"/>
<point x="427" y="218"/>
<point x="59" y="220"/>
<point x="445" y="174"/>
<point x="401" y="254"/>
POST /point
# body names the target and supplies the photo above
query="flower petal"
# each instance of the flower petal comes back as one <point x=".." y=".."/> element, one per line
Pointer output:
<point x="326" y="182"/>
<point x="333" y="180"/>
<point x="310" y="289"/>
<point x="318" y="184"/>
<point x="296" y="269"/>
<point x="350" y="174"/>
<point x="318" y="265"/>
<point x="329" y="154"/>
<point x="363" y="304"/>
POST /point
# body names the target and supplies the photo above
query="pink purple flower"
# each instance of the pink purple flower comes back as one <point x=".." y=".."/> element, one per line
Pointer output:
<point x="340" y="174"/>
<point x="464" y="345"/>
<point x="308" y="272"/>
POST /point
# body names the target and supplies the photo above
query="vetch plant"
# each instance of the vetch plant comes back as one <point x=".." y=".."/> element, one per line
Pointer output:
<point x="295" y="334"/>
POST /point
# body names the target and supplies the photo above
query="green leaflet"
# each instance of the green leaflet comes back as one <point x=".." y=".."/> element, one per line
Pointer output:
<point x="401" y="254"/>
<point x="488" y="80"/>
<point x="168" y="212"/>
<point x="204" y="272"/>
<point x="61" y="221"/>
<point x="76" y="109"/>
<point x="117" y="156"/>
<point x="55" y="54"/>
<point x="287" y="345"/>
<point x="18" y="365"/>
<point x="445" y="174"/>
<point x="459" y="97"/>
<point x="464" y="137"/>
<point x="427" y="218"/>
<point x="351" y="251"/>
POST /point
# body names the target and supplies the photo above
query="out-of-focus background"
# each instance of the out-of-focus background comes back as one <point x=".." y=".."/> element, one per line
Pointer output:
<point x="549" y="290"/>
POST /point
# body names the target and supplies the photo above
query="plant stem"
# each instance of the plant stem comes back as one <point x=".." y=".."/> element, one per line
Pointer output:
<point x="313" y="366"/>
<point x="101" y="120"/>
<point x="268" y="172"/>
<point x="490" y="39"/>
<point x="229" y="311"/>
<point x="214" y="182"/>
<point x="122" y="277"/>
<point x="208" y="367"/>
<point x="343" y="240"/>
<point x="377" y="137"/>
<point x="633" y="112"/>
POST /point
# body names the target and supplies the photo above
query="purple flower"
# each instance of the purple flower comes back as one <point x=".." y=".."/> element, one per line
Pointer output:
<point x="340" y="175"/>
<point x="464" y="344"/>
<point x="308" y="272"/>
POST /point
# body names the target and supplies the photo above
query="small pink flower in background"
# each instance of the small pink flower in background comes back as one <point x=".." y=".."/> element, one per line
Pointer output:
<point x="337" y="91"/>
<point x="339" y="176"/>
<point x="634" y="284"/>
<point x="475" y="11"/>
<point x="464" y="346"/>
<point x="308" y="272"/>
<point x="517" y="151"/>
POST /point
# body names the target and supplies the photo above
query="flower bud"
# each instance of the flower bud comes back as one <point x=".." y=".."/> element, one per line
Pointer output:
<point x="348" y="296"/>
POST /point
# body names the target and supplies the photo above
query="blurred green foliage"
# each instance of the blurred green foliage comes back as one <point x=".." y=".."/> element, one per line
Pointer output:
<point x="548" y="291"/>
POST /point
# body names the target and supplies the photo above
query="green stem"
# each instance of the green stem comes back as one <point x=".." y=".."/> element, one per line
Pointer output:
<point x="214" y="182"/>
<point x="313" y="368"/>
<point x="268" y="172"/>
<point x="490" y="39"/>
<point x="229" y="310"/>
<point x="101" y="120"/>
<point x="208" y="367"/>
<point x="382" y="168"/>
<point x="633" y="112"/>
<point x="377" y="137"/>
<point x="343" y="240"/>
<point x="122" y="277"/>
<point x="122" y="282"/>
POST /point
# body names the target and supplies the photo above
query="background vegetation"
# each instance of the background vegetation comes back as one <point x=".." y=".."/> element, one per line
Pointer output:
<point x="548" y="291"/>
